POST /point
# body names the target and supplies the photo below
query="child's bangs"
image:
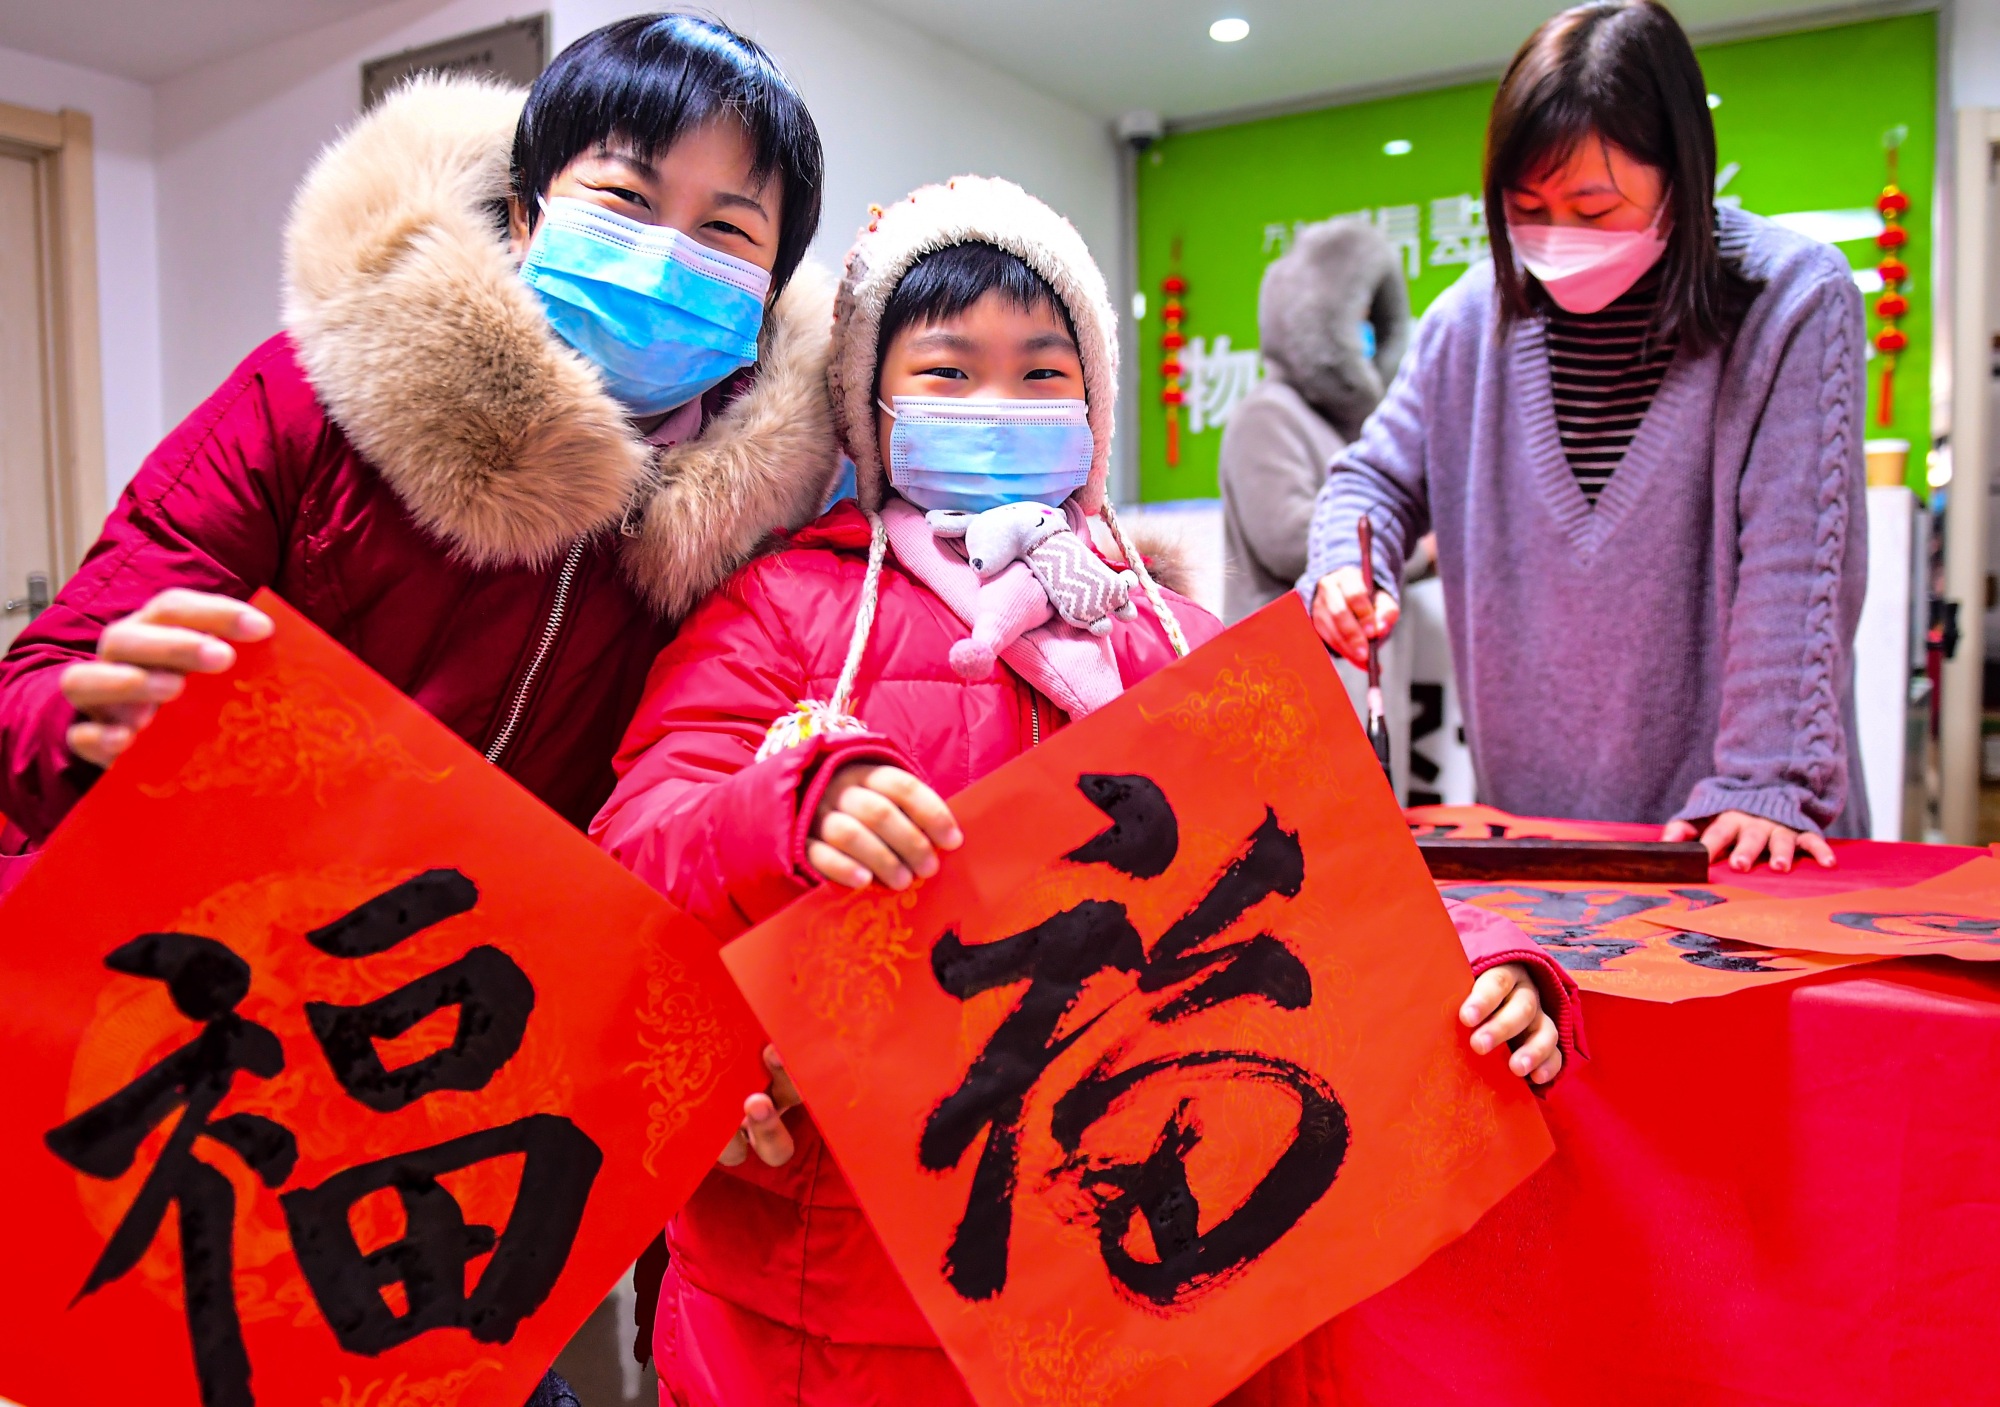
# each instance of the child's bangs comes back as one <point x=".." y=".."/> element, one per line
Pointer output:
<point x="943" y="285"/>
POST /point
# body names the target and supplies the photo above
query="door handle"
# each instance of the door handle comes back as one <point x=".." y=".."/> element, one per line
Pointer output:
<point x="35" y="602"/>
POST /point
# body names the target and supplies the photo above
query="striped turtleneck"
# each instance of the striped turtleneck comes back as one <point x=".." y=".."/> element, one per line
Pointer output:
<point x="1604" y="372"/>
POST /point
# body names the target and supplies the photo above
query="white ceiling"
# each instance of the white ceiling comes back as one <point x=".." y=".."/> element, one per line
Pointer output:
<point x="1112" y="56"/>
<point x="157" y="39"/>
<point x="1105" y="56"/>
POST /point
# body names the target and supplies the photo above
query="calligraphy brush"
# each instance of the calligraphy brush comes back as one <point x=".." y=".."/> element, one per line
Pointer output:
<point x="1378" y="725"/>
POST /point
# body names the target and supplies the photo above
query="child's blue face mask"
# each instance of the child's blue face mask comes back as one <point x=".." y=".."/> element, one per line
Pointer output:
<point x="662" y="317"/>
<point x="973" y="453"/>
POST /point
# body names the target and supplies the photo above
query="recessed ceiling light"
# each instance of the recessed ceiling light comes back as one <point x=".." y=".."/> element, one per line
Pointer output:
<point x="1714" y="102"/>
<point x="1229" y="31"/>
<point x="1399" y="147"/>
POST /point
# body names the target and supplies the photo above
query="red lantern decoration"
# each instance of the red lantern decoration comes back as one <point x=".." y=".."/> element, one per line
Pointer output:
<point x="1892" y="304"/>
<point x="1172" y="397"/>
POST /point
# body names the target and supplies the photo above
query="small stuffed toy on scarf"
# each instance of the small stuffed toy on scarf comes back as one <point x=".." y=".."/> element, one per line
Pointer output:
<point x="1031" y="566"/>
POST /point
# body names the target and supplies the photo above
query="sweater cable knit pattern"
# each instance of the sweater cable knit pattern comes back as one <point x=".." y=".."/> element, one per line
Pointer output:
<point x="1686" y="647"/>
<point x="1821" y="737"/>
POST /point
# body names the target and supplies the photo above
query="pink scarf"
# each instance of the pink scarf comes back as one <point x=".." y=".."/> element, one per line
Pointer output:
<point x="1076" y="670"/>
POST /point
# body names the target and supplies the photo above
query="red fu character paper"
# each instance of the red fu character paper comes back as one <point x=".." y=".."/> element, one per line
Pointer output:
<point x="1623" y="939"/>
<point x="1956" y="914"/>
<point x="1163" y="1069"/>
<point x="341" y="1073"/>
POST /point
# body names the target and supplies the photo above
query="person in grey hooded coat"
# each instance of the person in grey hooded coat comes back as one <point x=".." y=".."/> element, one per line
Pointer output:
<point x="1334" y="317"/>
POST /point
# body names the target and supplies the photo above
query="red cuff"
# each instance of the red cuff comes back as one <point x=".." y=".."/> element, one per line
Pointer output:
<point x="1490" y="939"/>
<point x="1560" y="997"/>
<point x="835" y="753"/>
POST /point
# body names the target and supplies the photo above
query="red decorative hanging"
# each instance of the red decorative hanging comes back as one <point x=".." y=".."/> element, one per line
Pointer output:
<point x="1891" y="305"/>
<point x="1172" y="396"/>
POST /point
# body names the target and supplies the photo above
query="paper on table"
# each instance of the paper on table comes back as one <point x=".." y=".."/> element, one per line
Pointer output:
<point x="1491" y="823"/>
<point x="496" y="1079"/>
<point x="1957" y="915"/>
<point x="1602" y="934"/>
<point x="1162" y="1070"/>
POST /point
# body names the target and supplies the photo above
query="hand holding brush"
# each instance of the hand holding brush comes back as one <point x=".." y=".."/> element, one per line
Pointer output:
<point x="1378" y="724"/>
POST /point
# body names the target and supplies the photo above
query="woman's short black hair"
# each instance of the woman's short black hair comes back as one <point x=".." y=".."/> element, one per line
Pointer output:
<point x="650" y="78"/>
<point x="1623" y="71"/>
<point x="944" y="284"/>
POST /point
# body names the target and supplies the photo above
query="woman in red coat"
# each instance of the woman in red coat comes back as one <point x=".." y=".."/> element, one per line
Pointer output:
<point x="749" y="775"/>
<point x="444" y="464"/>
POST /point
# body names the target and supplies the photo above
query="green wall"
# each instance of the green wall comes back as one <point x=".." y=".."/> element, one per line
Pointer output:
<point x="1800" y="121"/>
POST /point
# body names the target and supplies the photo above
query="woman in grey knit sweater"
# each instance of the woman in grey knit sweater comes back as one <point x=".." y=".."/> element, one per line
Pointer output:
<point x="1642" y="458"/>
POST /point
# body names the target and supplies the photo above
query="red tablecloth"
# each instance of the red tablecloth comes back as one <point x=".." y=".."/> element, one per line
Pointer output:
<point x="1787" y="1195"/>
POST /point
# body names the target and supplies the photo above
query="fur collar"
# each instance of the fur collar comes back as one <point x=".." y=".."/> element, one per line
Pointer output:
<point x="436" y="361"/>
<point x="1167" y="558"/>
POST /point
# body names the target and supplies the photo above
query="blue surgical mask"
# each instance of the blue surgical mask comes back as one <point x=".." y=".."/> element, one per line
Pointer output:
<point x="662" y="317"/>
<point x="973" y="454"/>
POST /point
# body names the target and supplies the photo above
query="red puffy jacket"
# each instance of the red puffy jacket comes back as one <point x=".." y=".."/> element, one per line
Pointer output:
<point x="425" y="471"/>
<point x="778" y="1292"/>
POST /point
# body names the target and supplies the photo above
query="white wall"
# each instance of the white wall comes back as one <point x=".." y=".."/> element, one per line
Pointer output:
<point x="128" y="285"/>
<point x="1973" y="61"/>
<point x="234" y="137"/>
<point x="894" y="110"/>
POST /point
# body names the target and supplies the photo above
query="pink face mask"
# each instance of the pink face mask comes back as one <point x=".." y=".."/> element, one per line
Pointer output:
<point x="1584" y="270"/>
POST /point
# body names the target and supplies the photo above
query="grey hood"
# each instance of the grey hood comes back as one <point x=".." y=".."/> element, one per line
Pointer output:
<point x="1337" y="275"/>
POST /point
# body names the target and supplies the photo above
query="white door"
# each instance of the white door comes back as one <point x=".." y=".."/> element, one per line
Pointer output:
<point x="27" y="517"/>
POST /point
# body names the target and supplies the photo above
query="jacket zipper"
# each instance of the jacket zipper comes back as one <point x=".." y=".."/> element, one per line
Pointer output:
<point x="564" y="580"/>
<point x="1034" y="720"/>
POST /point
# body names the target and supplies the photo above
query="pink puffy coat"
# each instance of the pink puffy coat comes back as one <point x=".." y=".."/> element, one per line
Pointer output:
<point x="778" y="1292"/>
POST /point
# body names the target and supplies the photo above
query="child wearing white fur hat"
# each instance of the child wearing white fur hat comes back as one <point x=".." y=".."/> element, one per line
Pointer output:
<point x="808" y="720"/>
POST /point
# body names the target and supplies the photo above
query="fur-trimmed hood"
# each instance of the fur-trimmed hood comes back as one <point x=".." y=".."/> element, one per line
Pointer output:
<point x="435" y="360"/>
<point x="966" y="210"/>
<point x="1338" y="275"/>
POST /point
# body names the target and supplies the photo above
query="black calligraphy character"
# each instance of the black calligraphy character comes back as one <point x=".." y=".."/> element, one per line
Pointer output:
<point x="1568" y="924"/>
<point x="1144" y="834"/>
<point x="1704" y="951"/>
<point x="431" y="1260"/>
<point x="1711" y="953"/>
<point x="1191" y="1261"/>
<point x="1928" y="927"/>
<point x="1271" y="863"/>
<point x="493" y="996"/>
<point x="206" y="981"/>
<point x="1057" y="958"/>
<point x="395" y="914"/>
